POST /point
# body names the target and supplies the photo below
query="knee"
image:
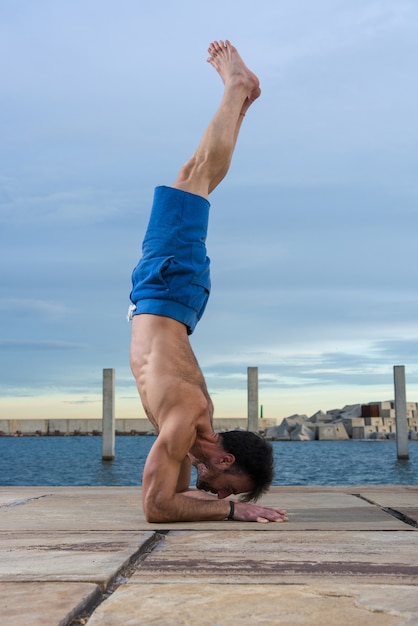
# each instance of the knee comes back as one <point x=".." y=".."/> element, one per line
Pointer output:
<point x="188" y="171"/>
<point x="193" y="177"/>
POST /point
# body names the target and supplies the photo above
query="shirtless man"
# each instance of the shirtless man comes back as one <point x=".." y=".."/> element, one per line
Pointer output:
<point x="171" y="286"/>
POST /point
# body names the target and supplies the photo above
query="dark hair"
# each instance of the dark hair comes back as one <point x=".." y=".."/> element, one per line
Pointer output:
<point x="253" y="456"/>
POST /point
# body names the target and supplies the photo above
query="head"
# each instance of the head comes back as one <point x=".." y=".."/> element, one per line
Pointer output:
<point x="245" y="466"/>
<point x="253" y="457"/>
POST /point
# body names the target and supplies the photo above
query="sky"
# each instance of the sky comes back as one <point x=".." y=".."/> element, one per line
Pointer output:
<point x="312" y="236"/>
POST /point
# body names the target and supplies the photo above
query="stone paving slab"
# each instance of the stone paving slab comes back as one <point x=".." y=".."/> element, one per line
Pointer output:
<point x="404" y="500"/>
<point x="108" y="508"/>
<point x="44" y="604"/>
<point x="404" y="495"/>
<point x="92" y="557"/>
<point x="63" y="545"/>
<point x="247" y="605"/>
<point x="73" y="509"/>
<point x="13" y="495"/>
<point x="208" y="557"/>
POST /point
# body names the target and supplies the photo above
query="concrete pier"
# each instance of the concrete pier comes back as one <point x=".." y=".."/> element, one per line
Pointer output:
<point x="86" y="555"/>
<point x="129" y="426"/>
<point x="400" y="412"/>
<point x="252" y="390"/>
<point x="108" y="436"/>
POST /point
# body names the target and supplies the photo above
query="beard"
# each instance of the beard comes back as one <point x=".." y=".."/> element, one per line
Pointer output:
<point x="203" y="485"/>
<point x="205" y="475"/>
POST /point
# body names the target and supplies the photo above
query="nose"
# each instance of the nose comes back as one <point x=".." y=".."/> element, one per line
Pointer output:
<point x="223" y="493"/>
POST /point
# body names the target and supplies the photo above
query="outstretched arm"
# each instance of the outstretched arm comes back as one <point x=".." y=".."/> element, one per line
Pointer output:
<point x="166" y="498"/>
<point x="164" y="485"/>
<point x="244" y="511"/>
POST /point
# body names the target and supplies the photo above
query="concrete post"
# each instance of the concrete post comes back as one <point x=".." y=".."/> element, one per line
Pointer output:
<point x="400" y="412"/>
<point x="252" y="387"/>
<point x="108" y="421"/>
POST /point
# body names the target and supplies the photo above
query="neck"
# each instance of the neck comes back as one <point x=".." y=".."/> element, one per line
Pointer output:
<point x="205" y="448"/>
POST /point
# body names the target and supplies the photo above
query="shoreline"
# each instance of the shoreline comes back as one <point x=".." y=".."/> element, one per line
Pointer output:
<point x="388" y="437"/>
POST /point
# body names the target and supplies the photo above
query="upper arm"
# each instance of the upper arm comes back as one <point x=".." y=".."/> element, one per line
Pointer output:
<point x="183" y="482"/>
<point x="167" y="469"/>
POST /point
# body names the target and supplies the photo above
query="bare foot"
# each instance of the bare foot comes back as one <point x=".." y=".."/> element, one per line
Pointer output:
<point x="224" y="57"/>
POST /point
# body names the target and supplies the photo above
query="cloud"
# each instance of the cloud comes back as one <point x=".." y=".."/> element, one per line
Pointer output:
<point x="312" y="234"/>
<point x="72" y="206"/>
<point x="82" y="401"/>
<point x="41" y="345"/>
<point x="339" y="26"/>
<point x="366" y="365"/>
<point x="43" y="308"/>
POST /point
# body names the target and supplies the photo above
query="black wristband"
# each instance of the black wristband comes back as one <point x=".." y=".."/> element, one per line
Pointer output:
<point x="231" y="510"/>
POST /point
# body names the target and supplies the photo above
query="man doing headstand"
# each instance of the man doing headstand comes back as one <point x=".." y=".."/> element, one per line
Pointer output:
<point x="170" y="290"/>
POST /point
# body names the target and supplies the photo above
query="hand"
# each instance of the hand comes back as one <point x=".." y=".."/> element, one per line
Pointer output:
<point x="248" y="512"/>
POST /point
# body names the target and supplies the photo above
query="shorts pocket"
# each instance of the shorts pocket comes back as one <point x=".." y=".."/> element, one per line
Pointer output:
<point x="201" y="266"/>
<point x="149" y="273"/>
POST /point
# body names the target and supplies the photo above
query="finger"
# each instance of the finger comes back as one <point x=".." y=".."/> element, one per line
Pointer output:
<point x="276" y="512"/>
<point x="262" y="520"/>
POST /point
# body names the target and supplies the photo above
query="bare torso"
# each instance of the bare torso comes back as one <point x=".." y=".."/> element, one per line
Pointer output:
<point x="168" y="377"/>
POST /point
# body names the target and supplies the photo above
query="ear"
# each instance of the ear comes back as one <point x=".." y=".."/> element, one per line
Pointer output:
<point x="226" y="461"/>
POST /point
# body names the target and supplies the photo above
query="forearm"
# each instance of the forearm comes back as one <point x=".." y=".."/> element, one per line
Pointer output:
<point x="199" y="495"/>
<point x="186" y="507"/>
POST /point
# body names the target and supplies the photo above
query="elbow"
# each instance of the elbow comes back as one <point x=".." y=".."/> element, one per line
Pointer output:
<point x="156" y="513"/>
<point x="153" y="516"/>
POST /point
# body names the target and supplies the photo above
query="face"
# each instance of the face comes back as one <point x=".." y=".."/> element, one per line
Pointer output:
<point x="221" y="483"/>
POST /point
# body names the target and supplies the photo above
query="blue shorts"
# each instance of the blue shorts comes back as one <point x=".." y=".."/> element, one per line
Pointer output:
<point x="172" y="278"/>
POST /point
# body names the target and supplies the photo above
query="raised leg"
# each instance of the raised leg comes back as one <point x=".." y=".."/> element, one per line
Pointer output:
<point x="211" y="160"/>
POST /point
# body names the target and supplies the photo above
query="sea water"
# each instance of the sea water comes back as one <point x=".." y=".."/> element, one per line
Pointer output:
<point x="74" y="461"/>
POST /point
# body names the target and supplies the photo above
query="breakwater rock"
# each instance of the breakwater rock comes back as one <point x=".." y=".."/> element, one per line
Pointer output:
<point x="375" y="420"/>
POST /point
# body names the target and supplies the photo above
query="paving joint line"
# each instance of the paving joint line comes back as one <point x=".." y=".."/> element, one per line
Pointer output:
<point x="20" y="502"/>
<point x="121" y="577"/>
<point x="400" y="516"/>
<point x="387" y="509"/>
